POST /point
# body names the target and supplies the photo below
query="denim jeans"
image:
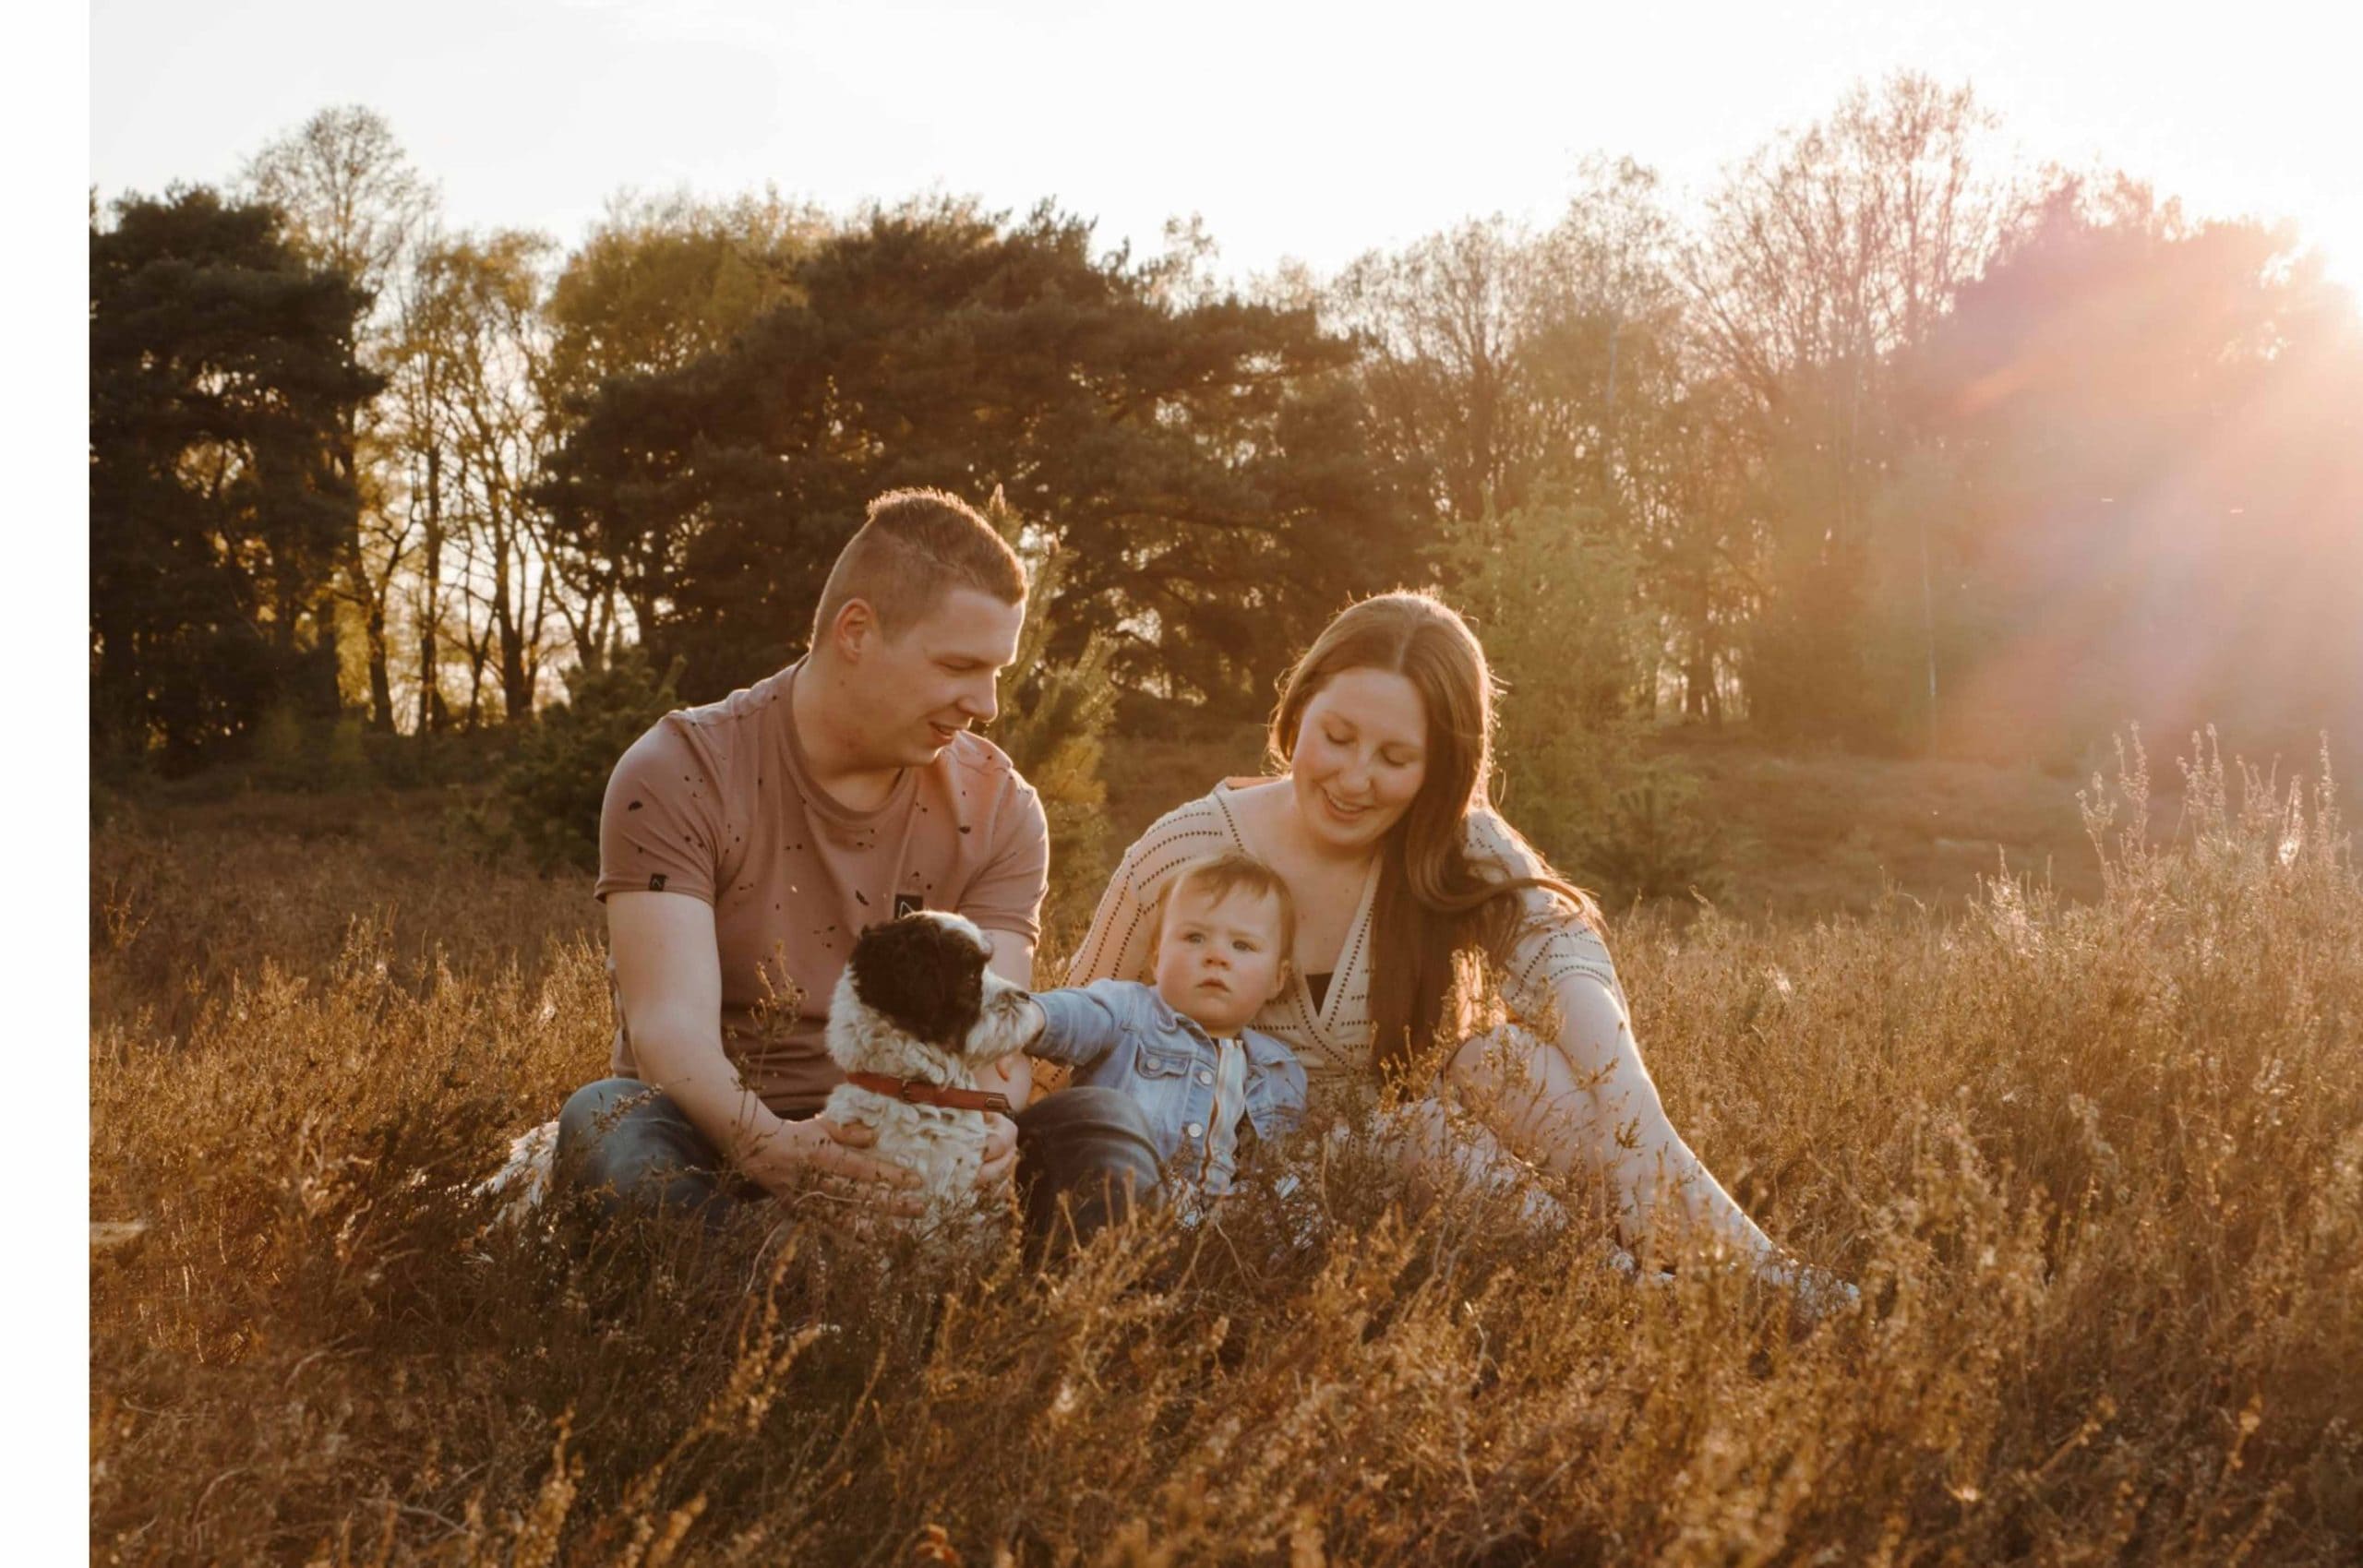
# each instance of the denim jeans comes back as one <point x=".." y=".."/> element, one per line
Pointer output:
<point x="630" y="1144"/>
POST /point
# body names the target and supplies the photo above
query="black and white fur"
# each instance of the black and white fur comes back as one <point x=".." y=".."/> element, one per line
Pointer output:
<point x="917" y="1001"/>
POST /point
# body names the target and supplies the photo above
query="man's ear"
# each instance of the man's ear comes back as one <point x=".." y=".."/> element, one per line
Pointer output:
<point x="854" y="630"/>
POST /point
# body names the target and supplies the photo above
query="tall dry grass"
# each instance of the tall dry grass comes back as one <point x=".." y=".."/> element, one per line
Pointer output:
<point x="2098" y="1168"/>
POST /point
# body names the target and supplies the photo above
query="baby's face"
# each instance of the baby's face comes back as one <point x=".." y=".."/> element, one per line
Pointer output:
<point x="1219" y="961"/>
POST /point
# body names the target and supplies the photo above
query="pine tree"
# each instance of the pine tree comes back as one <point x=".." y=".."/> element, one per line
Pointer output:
<point x="1053" y="724"/>
<point x="222" y="375"/>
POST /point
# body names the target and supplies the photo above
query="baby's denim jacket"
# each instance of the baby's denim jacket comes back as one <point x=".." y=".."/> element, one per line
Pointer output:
<point x="1122" y="1034"/>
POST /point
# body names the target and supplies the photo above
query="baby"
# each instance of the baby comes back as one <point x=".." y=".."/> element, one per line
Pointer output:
<point x="1182" y="1047"/>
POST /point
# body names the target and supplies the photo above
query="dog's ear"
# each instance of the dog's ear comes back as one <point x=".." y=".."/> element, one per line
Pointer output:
<point x="923" y="977"/>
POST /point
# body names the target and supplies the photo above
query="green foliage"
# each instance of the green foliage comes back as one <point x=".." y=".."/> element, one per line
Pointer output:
<point x="1502" y="365"/>
<point x="1057" y="741"/>
<point x="547" y="797"/>
<point x="1654" y="841"/>
<point x="660" y="281"/>
<point x="1908" y="452"/>
<point x="222" y="379"/>
<point x="279" y="747"/>
<point x="1808" y="670"/>
<point x="1053" y="724"/>
<point x="294" y="752"/>
<point x="1204" y="460"/>
<point x="433" y="762"/>
<point x="1557" y="605"/>
<point x="2156" y="473"/>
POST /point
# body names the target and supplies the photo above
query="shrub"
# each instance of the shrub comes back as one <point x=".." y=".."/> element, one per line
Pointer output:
<point x="290" y="751"/>
<point x="2097" y="1168"/>
<point x="1653" y="840"/>
<point x="413" y="762"/>
<point x="280" y="747"/>
<point x="1555" y="604"/>
<point x="1058" y="743"/>
<point x="547" y="797"/>
<point x="1053" y="724"/>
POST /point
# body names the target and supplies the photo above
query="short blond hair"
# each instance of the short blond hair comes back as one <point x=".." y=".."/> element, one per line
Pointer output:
<point x="1232" y="871"/>
<point x="913" y="548"/>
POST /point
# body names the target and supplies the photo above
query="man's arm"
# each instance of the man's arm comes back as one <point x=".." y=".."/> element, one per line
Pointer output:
<point x="668" y="977"/>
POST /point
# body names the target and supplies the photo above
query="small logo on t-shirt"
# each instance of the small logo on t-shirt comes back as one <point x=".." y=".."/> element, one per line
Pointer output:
<point x="907" y="903"/>
<point x="656" y="882"/>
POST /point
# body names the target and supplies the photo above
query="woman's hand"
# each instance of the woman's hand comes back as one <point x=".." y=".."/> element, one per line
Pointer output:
<point x="1819" y="1293"/>
<point x="1000" y="1152"/>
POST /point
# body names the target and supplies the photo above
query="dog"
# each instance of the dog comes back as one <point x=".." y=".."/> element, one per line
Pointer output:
<point x="914" y="1014"/>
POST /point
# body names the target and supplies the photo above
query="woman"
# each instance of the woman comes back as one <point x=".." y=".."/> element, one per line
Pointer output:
<point x="1401" y="874"/>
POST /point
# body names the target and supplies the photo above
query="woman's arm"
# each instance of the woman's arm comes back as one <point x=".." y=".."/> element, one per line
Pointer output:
<point x="1116" y="947"/>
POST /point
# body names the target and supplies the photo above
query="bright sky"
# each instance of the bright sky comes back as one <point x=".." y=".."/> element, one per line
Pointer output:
<point x="1296" y="131"/>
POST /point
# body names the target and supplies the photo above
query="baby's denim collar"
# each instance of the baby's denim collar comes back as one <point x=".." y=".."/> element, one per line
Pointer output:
<point x="1167" y="1018"/>
<point x="1162" y="1010"/>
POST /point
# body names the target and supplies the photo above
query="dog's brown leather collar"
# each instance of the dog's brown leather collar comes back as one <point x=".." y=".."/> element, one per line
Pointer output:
<point x="919" y="1091"/>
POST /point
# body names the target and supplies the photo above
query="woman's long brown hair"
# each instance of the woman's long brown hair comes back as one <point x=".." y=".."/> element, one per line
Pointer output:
<point x="1436" y="906"/>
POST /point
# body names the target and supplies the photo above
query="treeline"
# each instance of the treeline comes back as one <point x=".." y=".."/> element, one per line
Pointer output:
<point x="1888" y="447"/>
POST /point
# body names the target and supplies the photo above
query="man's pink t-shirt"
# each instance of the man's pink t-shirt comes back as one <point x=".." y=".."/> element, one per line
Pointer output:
<point x="717" y="803"/>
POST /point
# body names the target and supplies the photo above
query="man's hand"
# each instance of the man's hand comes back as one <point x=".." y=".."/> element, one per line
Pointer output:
<point x="1000" y="1152"/>
<point x="786" y="1161"/>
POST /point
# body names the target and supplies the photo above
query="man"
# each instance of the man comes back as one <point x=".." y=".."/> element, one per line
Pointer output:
<point x="743" y="846"/>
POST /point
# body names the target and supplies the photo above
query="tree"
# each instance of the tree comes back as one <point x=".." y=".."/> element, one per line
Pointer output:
<point x="1443" y="328"/>
<point x="1503" y="365"/>
<point x="416" y="425"/>
<point x="472" y="390"/>
<point x="1569" y="641"/>
<point x="1687" y="462"/>
<point x="658" y="283"/>
<point x="1053" y="724"/>
<point x="222" y="377"/>
<point x="1825" y="254"/>
<point x="1203" y="465"/>
<point x="351" y="202"/>
<point x="2147" y="436"/>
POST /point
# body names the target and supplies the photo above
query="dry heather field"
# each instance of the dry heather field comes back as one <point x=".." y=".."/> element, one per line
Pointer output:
<point x="2098" y="1166"/>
